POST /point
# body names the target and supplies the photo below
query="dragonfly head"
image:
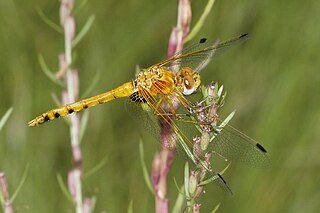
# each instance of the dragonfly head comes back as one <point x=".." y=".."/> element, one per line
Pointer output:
<point x="189" y="80"/>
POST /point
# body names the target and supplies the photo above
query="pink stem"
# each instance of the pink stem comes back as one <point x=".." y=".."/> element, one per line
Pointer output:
<point x="5" y="192"/>
<point x="163" y="160"/>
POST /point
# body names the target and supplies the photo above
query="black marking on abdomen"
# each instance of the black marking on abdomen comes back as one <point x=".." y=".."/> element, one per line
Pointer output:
<point x="70" y="111"/>
<point x="84" y="104"/>
<point x="46" y="118"/>
<point x="56" y="115"/>
<point x="261" y="148"/>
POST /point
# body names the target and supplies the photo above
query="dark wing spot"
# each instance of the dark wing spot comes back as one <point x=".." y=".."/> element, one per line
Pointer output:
<point x="202" y="40"/>
<point x="243" y="35"/>
<point x="70" y="111"/>
<point x="261" y="148"/>
<point x="221" y="178"/>
<point x="56" y="115"/>
<point x="46" y="118"/>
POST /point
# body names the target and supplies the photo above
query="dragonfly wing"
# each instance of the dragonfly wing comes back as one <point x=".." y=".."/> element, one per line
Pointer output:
<point x="143" y="106"/>
<point x="198" y="55"/>
<point x="238" y="147"/>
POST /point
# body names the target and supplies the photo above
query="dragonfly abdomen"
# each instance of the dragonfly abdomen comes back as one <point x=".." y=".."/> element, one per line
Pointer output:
<point x="124" y="90"/>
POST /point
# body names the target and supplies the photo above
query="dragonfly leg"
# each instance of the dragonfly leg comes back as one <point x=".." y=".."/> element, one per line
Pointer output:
<point x="178" y="117"/>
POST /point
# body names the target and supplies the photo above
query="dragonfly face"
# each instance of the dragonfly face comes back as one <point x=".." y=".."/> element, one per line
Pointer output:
<point x="187" y="80"/>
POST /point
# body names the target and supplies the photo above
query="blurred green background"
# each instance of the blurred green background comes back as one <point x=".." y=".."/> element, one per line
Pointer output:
<point x="272" y="81"/>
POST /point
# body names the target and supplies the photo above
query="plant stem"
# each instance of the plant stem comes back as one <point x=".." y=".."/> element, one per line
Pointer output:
<point x="7" y="205"/>
<point x="163" y="160"/>
<point x="71" y="76"/>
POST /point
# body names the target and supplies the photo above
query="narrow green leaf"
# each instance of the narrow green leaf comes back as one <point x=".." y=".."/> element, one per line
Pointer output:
<point x="5" y="117"/>
<point x="179" y="202"/>
<point x="48" y="72"/>
<point x="226" y="121"/>
<point x="214" y="177"/>
<point x="46" y="20"/>
<point x="23" y="179"/>
<point x="178" y="188"/>
<point x="1" y="199"/>
<point x="220" y="91"/>
<point x="81" y="5"/>
<point x="83" y="31"/>
<point x="96" y="168"/>
<point x="83" y="124"/>
<point x="215" y="92"/>
<point x="94" y="83"/>
<point x="64" y="188"/>
<point x="186" y="179"/>
<point x="185" y="147"/>
<point x="222" y="99"/>
<point x="144" y="168"/>
<point x="130" y="207"/>
<point x="201" y="21"/>
<point x="216" y="208"/>
<point x="93" y="204"/>
<point x="223" y="124"/>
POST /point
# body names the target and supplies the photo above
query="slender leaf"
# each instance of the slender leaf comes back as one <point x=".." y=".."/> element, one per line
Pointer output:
<point x="46" y="20"/>
<point x="5" y="117"/>
<point x="81" y="5"/>
<point x="64" y="189"/>
<point x="85" y="29"/>
<point x="95" y="81"/>
<point x="201" y="21"/>
<point x="83" y="124"/>
<point x="223" y="124"/>
<point x="96" y="168"/>
<point x="214" y="177"/>
<point x="48" y="72"/>
<point x="130" y="207"/>
<point x="186" y="179"/>
<point x="23" y="179"/>
<point x="178" y="188"/>
<point x="144" y="167"/>
<point x="1" y="199"/>
<point x="220" y="91"/>
<point x="179" y="202"/>
<point x="216" y="208"/>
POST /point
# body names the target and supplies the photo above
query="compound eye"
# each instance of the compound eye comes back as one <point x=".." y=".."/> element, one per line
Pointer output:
<point x="188" y="85"/>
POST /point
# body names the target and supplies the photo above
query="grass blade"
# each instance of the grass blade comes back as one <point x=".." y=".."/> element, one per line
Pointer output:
<point x="46" y="20"/>
<point x="201" y="21"/>
<point x="85" y="29"/>
<point x="144" y="167"/>
<point x="48" y="72"/>
<point x="5" y="117"/>
<point x="23" y="179"/>
<point x="64" y="189"/>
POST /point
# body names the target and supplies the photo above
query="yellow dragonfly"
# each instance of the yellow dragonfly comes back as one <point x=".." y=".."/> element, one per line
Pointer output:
<point x="163" y="86"/>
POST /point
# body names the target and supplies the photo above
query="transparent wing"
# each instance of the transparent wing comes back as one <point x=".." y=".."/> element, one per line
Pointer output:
<point x="238" y="147"/>
<point x="143" y="108"/>
<point x="198" y="55"/>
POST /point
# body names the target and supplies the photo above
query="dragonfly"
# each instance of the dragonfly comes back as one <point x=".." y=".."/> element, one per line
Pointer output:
<point x="163" y="86"/>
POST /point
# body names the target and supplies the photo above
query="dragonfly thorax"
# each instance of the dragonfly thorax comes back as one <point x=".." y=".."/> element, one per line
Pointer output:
<point x="156" y="80"/>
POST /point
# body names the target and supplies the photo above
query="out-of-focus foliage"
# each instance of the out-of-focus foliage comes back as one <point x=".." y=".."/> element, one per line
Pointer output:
<point x="273" y="82"/>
